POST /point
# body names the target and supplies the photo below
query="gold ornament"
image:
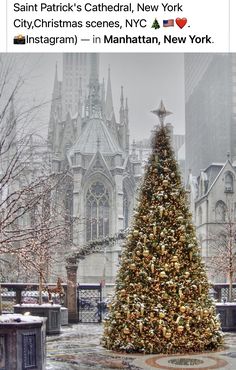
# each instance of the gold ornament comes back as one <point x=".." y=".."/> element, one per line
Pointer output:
<point x="175" y="258"/>
<point x="205" y="312"/>
<point x="142" y="310"/>
<point x="163" y="249"/>
<point x="177" y="265"/>
<point x="182" y="309"/>
<point x="164" y="331"/>
<point x="168" y="335"/>
<point x="165" y="183"/>
<point x="146" y="252"/>
<point x="217" y="326"/>
<point x="135" y="232"/>
<point x="180" y="329"/>
<point x="138" y="253"/>
<point x="140" y="327"/>
<point x="151" y="236"/>
<point x="166" y="267"/>
<point x="154" y="229"/>
<point x="162" y="274"/>
<point x="162" y="314"/>
<point x="126" y="330"/>
<point x="187" y="273"/>
<point x="132" y="266"/>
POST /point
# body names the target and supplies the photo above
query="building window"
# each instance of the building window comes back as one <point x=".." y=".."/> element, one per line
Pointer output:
<point x="220" y="211"/>
<point x="97" y="212"/>
<point x="229" y="182"/>
<point x="200" y="216"/>
<point x="126" y="205"/>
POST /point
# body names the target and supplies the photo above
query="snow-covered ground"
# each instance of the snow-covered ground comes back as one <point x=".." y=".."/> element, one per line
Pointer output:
<point x="78" y="347"/>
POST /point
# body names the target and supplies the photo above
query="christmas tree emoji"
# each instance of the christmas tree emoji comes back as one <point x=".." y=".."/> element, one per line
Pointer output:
<point x="161" y="302"/>
<point x="155" y="24"/>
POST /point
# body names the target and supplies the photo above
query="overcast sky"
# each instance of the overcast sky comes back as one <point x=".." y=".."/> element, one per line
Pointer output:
<point x="147" y="78"/>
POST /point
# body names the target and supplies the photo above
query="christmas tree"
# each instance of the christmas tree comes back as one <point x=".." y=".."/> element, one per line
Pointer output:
<point x="161" y="302"/>
<point x="155" y="24"/>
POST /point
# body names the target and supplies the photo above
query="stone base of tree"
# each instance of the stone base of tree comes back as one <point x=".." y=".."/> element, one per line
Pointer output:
<point x="51" y="312"/>
<point x="64" y="316"/>
<point x="227" y="313"/>
<point x="22" y="342"/>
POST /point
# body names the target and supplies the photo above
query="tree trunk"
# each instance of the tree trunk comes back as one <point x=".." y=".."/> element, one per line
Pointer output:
<point x="40" y="287"/>
<point x="0" y="299"/>
<point x="230" y="286"/>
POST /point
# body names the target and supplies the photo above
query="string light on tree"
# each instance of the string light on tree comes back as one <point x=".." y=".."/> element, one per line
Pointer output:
<point x="162" y="289"/>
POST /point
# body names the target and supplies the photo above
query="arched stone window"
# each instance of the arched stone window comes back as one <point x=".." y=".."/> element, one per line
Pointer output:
<point x="220" y="211"/>
<point x="200" y="215"/>
<point x="229" y="182"/>
<point x="97" y="211"/>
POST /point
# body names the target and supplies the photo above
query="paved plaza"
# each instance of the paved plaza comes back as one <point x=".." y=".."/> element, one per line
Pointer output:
<point x="78" y="347"/>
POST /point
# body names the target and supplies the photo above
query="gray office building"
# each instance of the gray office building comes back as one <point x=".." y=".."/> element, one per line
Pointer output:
<point x="210" y="109"/>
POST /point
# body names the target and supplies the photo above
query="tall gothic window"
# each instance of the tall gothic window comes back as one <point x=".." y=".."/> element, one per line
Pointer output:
<point x="229" y="182"/>
<point x="220" y="211"/>
<point x="97" y="211"/>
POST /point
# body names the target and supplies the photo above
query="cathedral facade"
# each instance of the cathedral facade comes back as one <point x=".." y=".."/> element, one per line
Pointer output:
<point x="87" y="139"/>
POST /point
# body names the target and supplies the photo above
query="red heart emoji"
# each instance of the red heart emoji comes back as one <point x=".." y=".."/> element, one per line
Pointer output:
<point x="181" y="22"/>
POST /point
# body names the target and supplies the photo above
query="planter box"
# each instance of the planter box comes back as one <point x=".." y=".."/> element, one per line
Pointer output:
<point x="227" y="313"/>
<point x="51" y="312"/>
<point x="22" y="344"/>
<point x="64" y="316"/>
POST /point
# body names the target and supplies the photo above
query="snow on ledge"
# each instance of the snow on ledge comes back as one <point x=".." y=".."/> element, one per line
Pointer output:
<point x="34" y="305"/>
<point x="13" y="318"/>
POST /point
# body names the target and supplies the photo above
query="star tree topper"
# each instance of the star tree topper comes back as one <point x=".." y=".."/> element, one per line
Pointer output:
<point x="161" y="113"/>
